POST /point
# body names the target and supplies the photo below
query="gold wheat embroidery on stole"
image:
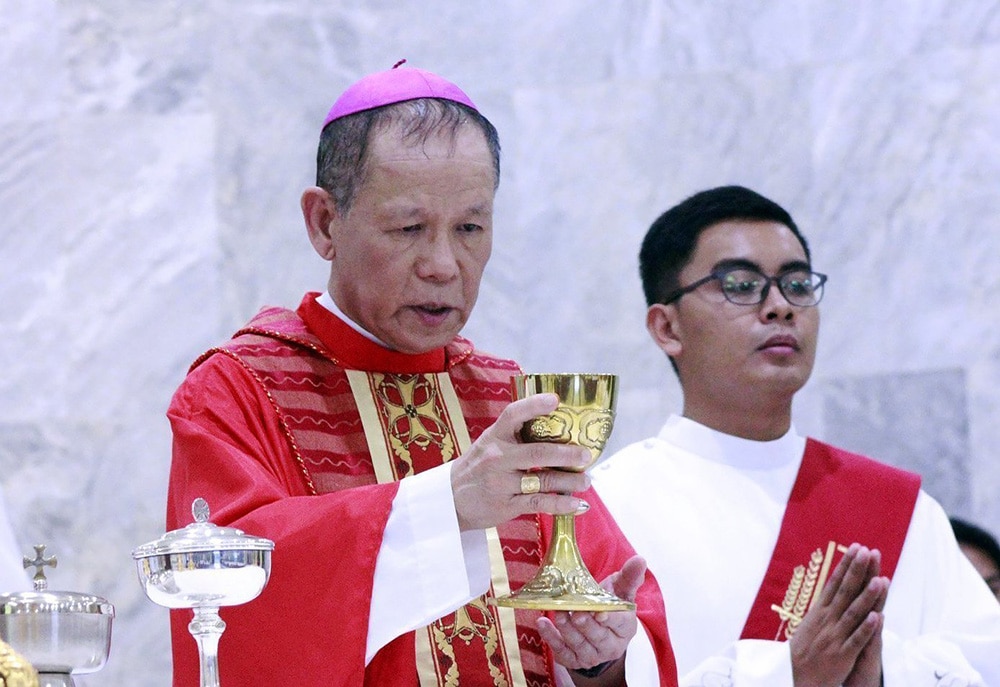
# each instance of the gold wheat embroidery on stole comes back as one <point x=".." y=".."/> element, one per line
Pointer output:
<point x="804" y="589"/>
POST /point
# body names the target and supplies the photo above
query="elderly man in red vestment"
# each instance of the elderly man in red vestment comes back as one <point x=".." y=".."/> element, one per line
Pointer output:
<point x="378" y="448"/>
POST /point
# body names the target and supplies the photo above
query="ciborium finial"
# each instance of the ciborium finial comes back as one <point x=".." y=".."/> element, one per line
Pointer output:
<point x="39" y="564"/>
<point x="199" y="509"/>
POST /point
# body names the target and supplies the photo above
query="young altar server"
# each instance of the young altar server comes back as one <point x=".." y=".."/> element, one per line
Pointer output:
<point x="783" y="560"/>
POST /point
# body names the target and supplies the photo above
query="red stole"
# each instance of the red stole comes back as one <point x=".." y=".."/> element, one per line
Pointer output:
<point x="349" y="428"/>
<point x="838" y="498"/>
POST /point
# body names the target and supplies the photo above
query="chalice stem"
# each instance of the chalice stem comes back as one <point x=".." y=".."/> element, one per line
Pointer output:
<point x="207" y="627"/>
<point x="564" y="553"/>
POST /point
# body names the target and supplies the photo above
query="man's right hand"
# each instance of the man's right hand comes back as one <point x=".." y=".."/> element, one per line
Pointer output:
<point x="839" y="639"/>
<point x="486" y="479"/>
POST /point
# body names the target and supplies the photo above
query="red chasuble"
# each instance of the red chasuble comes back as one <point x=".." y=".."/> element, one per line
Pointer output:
<point x="298" y="430"/>
<point x="838" y="498"/>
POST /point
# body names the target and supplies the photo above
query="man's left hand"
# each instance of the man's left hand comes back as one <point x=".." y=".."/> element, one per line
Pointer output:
<point x="581" y="640"/>
<point x="867" y="670"/>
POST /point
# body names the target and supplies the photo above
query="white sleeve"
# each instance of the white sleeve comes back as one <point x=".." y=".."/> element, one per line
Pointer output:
<point x="942" y="623"/>
<point x="426" y="567"/>
<point x="744" y="663"/>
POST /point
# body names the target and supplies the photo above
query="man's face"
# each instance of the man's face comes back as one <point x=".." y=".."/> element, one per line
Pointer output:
<point x="408" y="257"/>
<point x="728" y="353"/>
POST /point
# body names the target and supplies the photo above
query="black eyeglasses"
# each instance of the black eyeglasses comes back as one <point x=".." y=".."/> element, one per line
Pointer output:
<point x="745" y="286"/>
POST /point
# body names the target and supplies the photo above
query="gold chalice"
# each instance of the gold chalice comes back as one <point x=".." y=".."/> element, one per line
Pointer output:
<point x="585" y="417"/>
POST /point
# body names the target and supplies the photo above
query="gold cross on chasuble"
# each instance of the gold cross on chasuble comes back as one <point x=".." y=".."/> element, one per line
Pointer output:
<point x="412" y="423"/>
<point x="415" y="421"/>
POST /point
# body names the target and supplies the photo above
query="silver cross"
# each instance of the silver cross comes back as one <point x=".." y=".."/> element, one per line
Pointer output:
<point x="40" y="562"/>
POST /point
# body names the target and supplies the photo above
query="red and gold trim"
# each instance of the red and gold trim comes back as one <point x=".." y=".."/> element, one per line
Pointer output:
<point x="411" y="422"/>
<point x="838" y="498"/>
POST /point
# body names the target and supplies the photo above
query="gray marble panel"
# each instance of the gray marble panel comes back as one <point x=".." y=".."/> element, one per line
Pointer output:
<point x="917" y="421"/>
<point x="905" y="154"/>
<point x="983" y="380"/>
<point x="889" y="29"/>
<point x="29" y="336"/>
<point x="269" y="106"/>
<point x="121" y="55"/>
<point x="74" y="489"/>
<point x="30" y="60"/>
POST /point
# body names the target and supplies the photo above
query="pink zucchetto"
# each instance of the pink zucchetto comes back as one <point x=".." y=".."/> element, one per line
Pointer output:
<point x="394" y="86"/>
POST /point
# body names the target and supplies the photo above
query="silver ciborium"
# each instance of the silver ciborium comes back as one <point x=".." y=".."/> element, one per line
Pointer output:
<point x="62" y="634"/>
<point x="204" y="567"/>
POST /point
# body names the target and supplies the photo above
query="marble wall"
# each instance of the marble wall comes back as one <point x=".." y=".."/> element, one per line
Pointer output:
<point x="152" y="153"/>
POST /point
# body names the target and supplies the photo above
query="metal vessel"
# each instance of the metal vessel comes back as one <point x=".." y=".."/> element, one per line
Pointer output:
<point x="60" y="633"/>
<point x="203" y="567"/>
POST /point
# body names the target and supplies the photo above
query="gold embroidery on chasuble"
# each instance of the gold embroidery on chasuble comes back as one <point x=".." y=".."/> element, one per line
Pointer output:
<point x="414" y="419"/>
<point x="471" y="624"/>
<point x="804" y="588"/>
<point x="414" y="422"/>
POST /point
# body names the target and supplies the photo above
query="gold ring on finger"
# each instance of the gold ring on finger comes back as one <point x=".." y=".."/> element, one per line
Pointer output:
<point x="530" y="484"/>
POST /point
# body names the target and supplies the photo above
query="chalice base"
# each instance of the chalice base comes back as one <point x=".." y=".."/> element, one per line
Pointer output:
<point x="563" y="582"/>
<point x="541" y="595"/>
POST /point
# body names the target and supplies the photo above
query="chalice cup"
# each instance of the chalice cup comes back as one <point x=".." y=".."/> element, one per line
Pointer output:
<point x="585" y="417"/>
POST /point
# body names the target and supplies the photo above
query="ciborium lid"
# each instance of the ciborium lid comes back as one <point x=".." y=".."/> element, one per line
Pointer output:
<point x="60" y="633"/>
<point x="201" y="535"/>
<point x="44" y="600"/>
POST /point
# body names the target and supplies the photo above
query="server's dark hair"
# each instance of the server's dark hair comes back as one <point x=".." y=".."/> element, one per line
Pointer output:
<point x="671" y="239"/>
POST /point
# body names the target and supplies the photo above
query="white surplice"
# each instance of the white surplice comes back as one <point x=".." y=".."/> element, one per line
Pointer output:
<point x="704" y="509"/>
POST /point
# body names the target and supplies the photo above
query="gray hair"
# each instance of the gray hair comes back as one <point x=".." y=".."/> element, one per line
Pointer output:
<point x="342" y="158"/>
